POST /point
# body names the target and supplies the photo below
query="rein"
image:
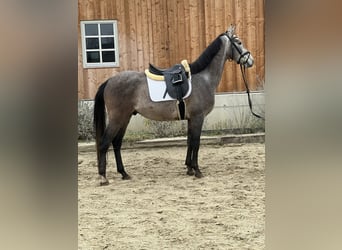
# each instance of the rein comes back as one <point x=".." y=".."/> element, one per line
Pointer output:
<point x="243" y="72"/>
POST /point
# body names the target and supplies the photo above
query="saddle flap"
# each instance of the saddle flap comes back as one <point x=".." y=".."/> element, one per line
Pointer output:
<point x="176" y="82"/>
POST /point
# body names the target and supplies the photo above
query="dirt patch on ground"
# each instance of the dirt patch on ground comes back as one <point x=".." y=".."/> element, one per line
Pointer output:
<point x="163" y="208"/>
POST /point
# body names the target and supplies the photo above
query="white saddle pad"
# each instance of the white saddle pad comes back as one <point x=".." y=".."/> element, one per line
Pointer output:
<point x="157" y="89"/>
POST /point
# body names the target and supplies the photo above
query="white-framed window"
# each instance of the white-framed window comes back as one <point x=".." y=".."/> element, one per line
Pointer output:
<point x="100" y="44"/>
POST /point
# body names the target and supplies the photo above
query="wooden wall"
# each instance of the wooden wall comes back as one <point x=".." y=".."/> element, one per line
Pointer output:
<point x="164" y="32"/>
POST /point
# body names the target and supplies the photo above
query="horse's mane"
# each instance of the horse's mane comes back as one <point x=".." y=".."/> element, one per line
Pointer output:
<point x="206" y="57"/>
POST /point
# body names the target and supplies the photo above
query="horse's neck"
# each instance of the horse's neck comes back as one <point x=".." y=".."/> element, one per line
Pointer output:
<point x="216" y="66"/>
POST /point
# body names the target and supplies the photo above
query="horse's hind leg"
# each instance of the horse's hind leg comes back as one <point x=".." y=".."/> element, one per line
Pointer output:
<point x="117" y="142"/>
<point x="102" y="155"/>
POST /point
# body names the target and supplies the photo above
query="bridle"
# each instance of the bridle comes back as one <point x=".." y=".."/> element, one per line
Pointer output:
<point x="243" y="55"/>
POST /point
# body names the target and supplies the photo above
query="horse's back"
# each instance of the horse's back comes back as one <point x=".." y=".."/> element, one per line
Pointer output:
<point x="125" y="84"/>
<point x="126" y="81"/>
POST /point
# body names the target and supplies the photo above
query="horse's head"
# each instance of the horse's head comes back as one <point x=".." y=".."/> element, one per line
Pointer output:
<point x="237" y="51"/>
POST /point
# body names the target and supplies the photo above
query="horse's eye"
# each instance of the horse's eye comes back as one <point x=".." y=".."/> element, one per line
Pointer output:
<point x="237" y="42"/>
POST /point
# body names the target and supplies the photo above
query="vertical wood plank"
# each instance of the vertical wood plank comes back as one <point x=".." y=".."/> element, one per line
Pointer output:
<point x="150" y="31"/>
<point x="154" y="27"/>
<point x="133" y="55"/>
<point x="144" y="36"/>
<point x="181" y="31"/>
<point x="187" y="34"/>
<point x="172" y="30"/>
<point x="207" y="17"/>
<point x="194" y="50"/>
<point x="164" y="34"/>
<point x="109" y="11"/>
<point x="102" y="13"/>
<point x="139" y="36"/>
<point x="201" y="17"/>
<point x="90" y="10"/>
<point x="121" y="32"/>
<point x="86" y="85"/>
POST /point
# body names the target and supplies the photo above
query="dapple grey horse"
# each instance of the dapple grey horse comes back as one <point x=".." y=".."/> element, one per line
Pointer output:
<point x="126" y="94"/>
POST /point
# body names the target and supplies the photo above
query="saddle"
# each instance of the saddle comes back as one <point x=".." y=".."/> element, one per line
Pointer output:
<point x="176" y="78"/>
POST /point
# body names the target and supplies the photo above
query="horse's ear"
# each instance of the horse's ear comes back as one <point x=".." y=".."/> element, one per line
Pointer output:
<point x="231" y="29"/>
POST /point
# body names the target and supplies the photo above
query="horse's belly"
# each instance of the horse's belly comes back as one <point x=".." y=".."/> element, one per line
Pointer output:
<point x="160" y="111"/>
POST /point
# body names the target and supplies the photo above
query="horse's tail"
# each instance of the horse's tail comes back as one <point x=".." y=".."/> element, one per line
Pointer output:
<point x="99" y="116"/>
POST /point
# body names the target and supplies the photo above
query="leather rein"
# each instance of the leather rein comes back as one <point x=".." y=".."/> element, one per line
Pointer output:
<point x="243" y="68"/>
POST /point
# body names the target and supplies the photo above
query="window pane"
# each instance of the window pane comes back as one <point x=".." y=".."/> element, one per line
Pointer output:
<point x="92" y="43"/>
<point x="93" y="57"/>
<point x="91" y="30"/>
<point x="107" y="29"/>
<point x="107" y="43"/>
<point x="108" y="56"/>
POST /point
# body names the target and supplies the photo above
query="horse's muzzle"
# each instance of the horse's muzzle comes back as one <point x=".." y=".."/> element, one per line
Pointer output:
<point x="250" y="62"/>
<point x="247" y="60"/>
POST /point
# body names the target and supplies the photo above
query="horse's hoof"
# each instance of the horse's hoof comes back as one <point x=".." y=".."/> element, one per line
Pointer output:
<point x="126" y="177"/>
<point x="190" y="172"/>
<point x="103" y="181"/>
<point x="198" y="174"/>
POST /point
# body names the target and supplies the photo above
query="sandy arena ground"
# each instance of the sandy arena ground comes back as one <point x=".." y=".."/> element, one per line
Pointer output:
<point x="163" y="208"/>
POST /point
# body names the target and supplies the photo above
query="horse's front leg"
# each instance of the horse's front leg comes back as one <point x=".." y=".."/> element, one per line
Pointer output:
<point x="194" y="136"/>
<point x="188" y="156"/>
